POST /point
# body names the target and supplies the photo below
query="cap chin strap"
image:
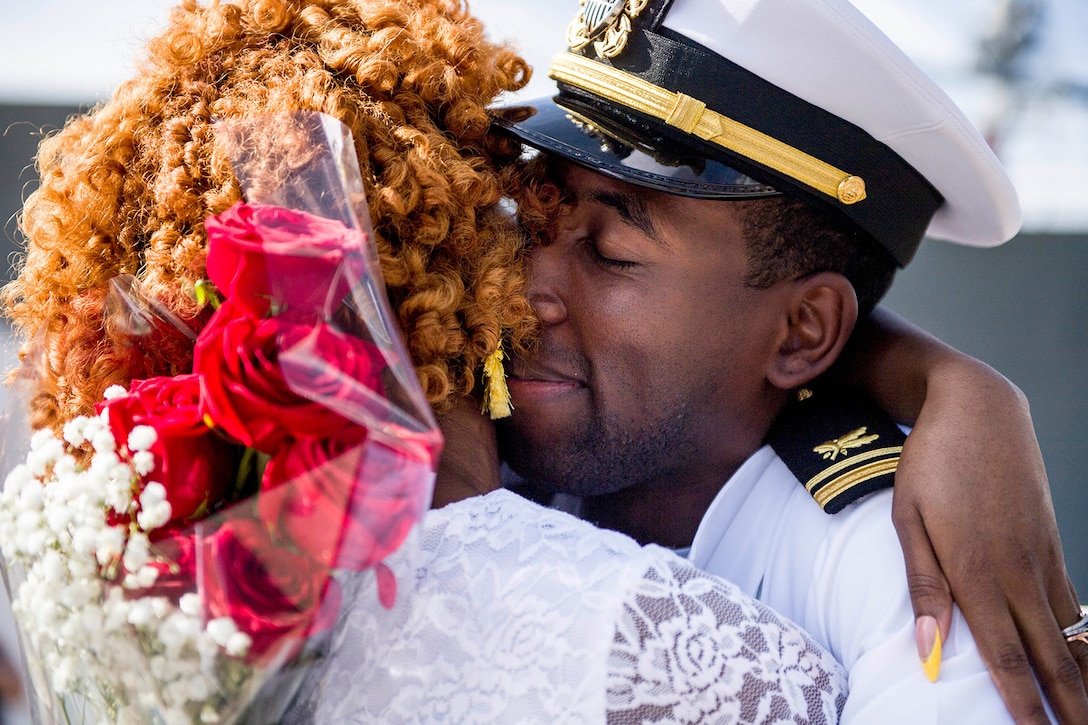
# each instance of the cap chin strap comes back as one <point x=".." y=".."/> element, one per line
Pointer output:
<point x="692" y="116"/>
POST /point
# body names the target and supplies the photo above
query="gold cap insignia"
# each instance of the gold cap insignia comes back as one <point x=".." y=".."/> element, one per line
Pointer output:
<point x="605" y="23"/>
<point x="843" y="444"/>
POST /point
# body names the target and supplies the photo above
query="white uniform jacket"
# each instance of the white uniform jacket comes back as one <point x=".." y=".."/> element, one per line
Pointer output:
<point x="842" y="577"/>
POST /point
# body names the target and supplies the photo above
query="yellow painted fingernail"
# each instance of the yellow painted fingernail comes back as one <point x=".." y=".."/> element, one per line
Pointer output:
<point x="928" y="638"/>
<point x="932" y="666"/>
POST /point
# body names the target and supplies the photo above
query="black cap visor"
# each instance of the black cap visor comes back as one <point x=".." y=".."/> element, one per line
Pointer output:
<point x="624" y="150"/>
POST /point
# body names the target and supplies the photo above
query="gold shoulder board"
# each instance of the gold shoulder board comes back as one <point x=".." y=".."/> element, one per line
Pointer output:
<point x="838" y="443"/>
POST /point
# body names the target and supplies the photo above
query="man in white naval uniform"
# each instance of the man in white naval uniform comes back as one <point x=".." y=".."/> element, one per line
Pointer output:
<point x="739" y="180"/>
<point x="841" y="576"/>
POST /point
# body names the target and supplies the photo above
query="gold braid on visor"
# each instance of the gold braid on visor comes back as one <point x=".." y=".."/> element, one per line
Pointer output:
<point x="692" y="116"/>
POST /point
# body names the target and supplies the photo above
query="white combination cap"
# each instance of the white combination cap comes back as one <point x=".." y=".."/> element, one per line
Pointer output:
<point x="732" y="99"/>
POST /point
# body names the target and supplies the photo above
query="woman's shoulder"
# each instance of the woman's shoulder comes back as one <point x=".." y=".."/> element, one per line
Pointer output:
<point x="526" y="614"/>
<point x="503" y="515"/>
<point x="504" y="613"/>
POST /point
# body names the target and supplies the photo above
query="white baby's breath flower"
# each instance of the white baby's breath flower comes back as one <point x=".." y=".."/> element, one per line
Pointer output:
<point x="143" y="462"/>
<point x="209" y="715"/>
<point x="141" y="438"/>
<point x="221" y="629"/>
<point x="95" y="424"/>
<point x="154" y="493"/>
<point x="146" y="577"/>
<point x="79" y="593"/>
<point x="52" y="566"/>
<point x="102" y="466"/>
<point x="73" y="430"/>
<point x="207" y="648"/>
<point x="71" y="629"/>
<point x="114" y="391"/>
<point x="45" y="615"/>
<point x="92" y="619"/>
<point x="58" y="518"/>
<point x="189" y="604"/>
<point x="42" y="439"/>
<point x="31" y="494"/>
<point x="152" y="517"/>
<point x="109" y="545"/>
<point x="44" y="451"/>
<point x="137" y="552"/>
<point x="119" y="471"/>
<point x="140" y="614"/>
<point x="155" y="510"/>
<point x="32" y="537"/>
<point x="102" y="440"/>
<point x="162" y="607"/>
<point x="188" y="626"/>
<point x="238" y="644"/>
<point x="64" y="674"/>
<point x="19" y="477"/>
<point x="118" y="495"/>
<point x="29" y="521"/>
<point x="115" y="610"/>
<point x="83" y="540"/>
<point x="172" y="637"/>
<point x="82" y="567"/>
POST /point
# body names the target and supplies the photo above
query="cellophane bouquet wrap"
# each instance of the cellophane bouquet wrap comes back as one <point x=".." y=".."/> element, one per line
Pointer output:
<point x="175" y="558"/>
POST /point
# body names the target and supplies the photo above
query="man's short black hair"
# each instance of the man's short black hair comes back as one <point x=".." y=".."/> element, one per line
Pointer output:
<point x="788" y="238"/>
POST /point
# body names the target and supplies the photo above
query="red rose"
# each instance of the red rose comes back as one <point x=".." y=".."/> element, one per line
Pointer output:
<point x="266" y="380"/>
<point x="348" y="501"/>
<point x="260" y="254"/>
<point x="194" y="464"/>
<point x="274" y="595"/>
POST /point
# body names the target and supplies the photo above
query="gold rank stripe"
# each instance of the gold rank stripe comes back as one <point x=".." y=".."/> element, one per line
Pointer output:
<point x="692" y="116"/>
<point x="848" y="480"/>
<point x="850" y="462"/>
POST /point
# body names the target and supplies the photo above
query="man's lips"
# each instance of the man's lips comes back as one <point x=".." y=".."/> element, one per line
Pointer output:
<point x="535" y="381"/>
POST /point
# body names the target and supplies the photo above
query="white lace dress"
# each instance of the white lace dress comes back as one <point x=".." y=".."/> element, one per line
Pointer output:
<point x="508" y="612"/>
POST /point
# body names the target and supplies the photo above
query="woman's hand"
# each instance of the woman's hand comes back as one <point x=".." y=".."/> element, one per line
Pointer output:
<point x="974" y="515"/>
<point x="973" y="511"/>
<point x="469" y="465"/>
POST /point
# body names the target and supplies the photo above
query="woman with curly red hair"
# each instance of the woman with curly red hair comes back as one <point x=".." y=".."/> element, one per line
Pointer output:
<point x="125" y="188"/>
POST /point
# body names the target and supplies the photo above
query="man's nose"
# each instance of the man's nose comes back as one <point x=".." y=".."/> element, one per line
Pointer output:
<point x="547" y="283"/>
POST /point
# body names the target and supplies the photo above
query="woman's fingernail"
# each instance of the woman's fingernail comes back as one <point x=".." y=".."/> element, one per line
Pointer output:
<point x="928" y="638"/>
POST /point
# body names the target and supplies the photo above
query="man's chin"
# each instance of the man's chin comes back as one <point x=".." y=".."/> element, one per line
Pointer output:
<point x="562" y="459"/>
<point x="539" y="469"/>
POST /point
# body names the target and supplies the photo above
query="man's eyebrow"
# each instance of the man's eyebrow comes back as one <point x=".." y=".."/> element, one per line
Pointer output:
<point x="632" y="209"/>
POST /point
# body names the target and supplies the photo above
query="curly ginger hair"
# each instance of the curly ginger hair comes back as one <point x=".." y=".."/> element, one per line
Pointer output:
<point x="126" y="187"/>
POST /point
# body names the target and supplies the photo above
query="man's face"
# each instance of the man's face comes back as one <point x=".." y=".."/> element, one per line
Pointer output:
<point x="650" y="368"/>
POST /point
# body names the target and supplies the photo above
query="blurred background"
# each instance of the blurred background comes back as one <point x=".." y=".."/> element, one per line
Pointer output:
<point x="1019" y="68"/>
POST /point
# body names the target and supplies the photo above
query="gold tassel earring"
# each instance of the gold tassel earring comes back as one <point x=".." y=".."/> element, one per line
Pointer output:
<point x="496" y="394"/>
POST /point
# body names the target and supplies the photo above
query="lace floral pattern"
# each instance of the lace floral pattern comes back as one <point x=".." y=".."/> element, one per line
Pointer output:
<point x="691" y="648"/>
<point x="509" y="612"/>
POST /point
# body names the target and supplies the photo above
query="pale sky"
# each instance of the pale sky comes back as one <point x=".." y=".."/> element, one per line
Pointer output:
<point x="1045" y="147"/>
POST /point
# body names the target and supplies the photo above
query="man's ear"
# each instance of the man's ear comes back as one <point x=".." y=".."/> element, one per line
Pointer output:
<point x="821" y="315"/>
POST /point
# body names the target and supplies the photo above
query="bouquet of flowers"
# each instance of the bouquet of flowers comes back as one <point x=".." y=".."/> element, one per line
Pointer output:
<point x="174" y="558"/>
